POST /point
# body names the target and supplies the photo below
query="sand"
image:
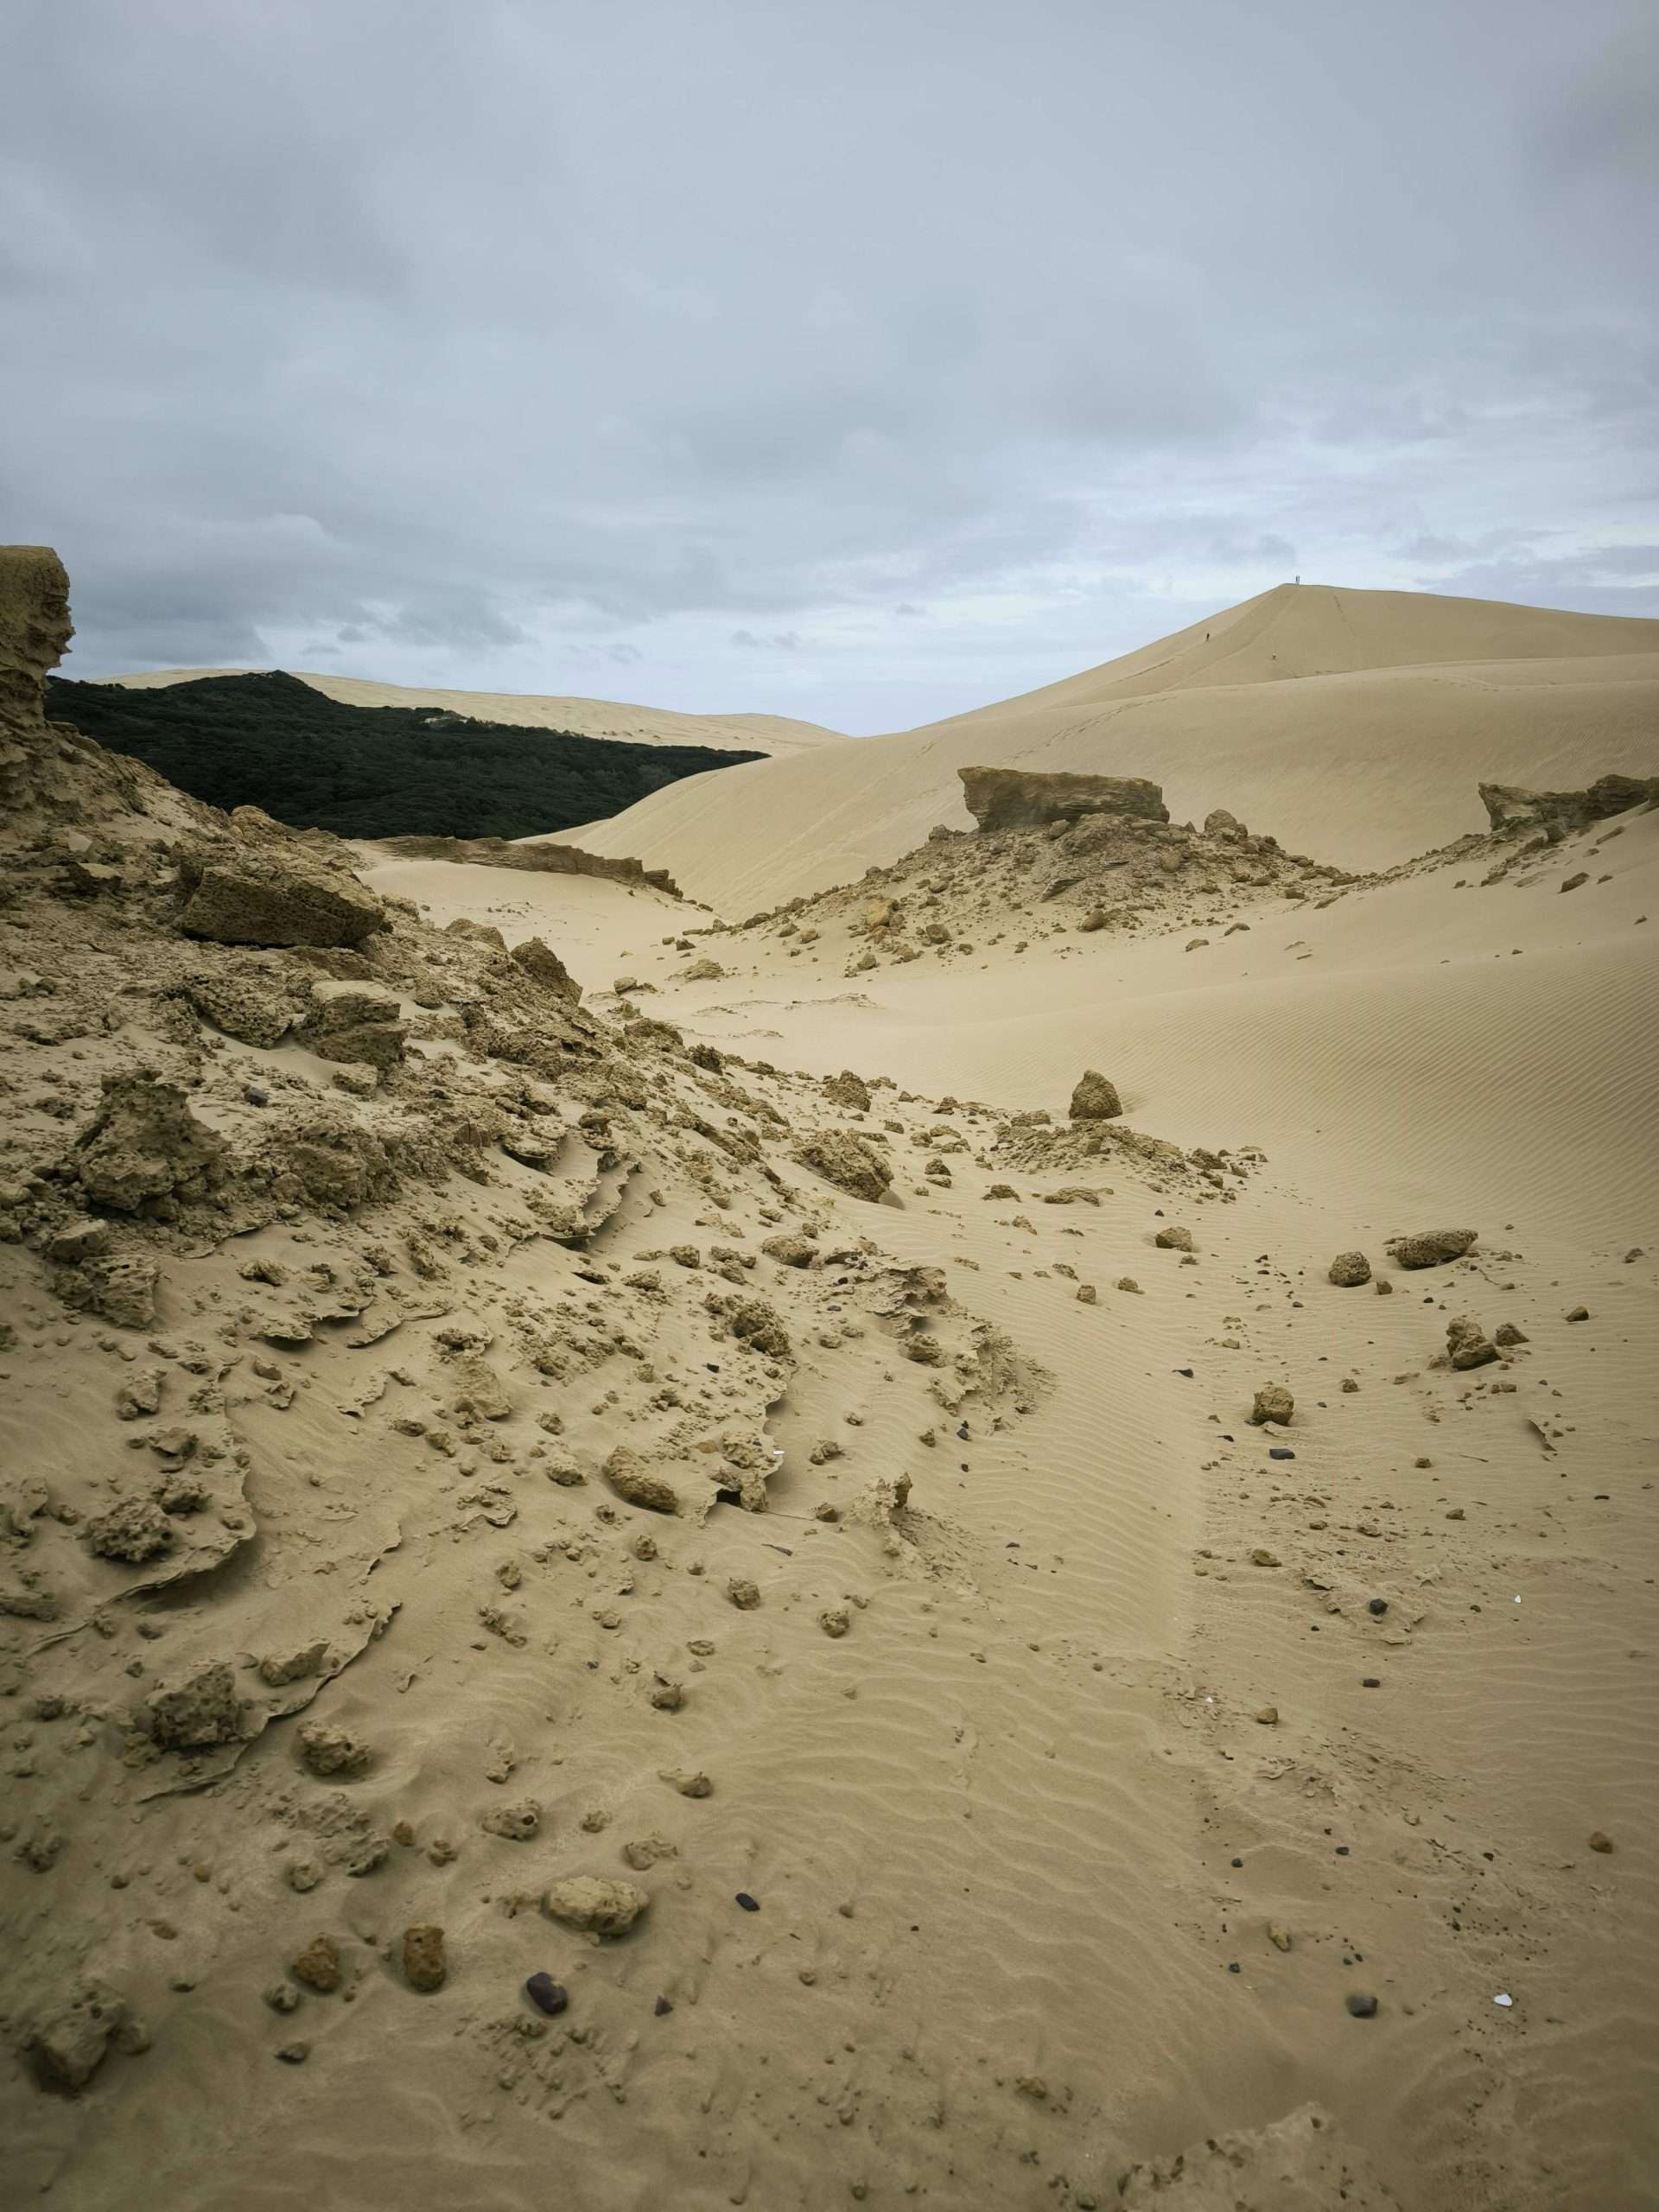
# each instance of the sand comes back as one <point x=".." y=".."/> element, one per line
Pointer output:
<point x="773" y="734"/>
<point x="1356" y="725"/>
<point x="1049" y="1763"/>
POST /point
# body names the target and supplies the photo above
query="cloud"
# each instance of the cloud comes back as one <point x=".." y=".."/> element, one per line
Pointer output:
<point x="484" y="345"/>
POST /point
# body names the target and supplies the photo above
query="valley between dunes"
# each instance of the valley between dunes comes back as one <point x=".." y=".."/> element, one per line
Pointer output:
<point x="1080" y="1746"/>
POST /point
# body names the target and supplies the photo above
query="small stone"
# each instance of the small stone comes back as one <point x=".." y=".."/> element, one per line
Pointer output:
<point x="1268" y="1715"/>
<point x="424" y="1966"/>
<point x="294" y="2054"/>
<point x="1087" y="1294"/>
<point x="1278" y="1934"/>
<point x="1349" y="1269"/>
<point x="1506" y="1333"/>
<point x="328" y="1750"/>
<point x="1376" y="1606"/>
<point x="318" y="1964"/>
<point x="1127" y="1282"/>
<point x="1580" y="1314"/>
<point x="1272" y="1403"/>
<point x="1031" y="2085"/>
<point x="748" y="1903"/>
<point x="1173" y="1240"/>
<point x="743" y="1595"/>
<point x="281" y="1997"/>
<point x="834" y="1620"/>
<point x="1362" y="2007"/>
<point x="1370" y="1683"/>
<point x="689" y="1785"/>
<point x="1279" y="1452"/>
<point x="1263" y="1557"/>
<point x="547" y="1995"/>
<point x="1598" y="1841"/>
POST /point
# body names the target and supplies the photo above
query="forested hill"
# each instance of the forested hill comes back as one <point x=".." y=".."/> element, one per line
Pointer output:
<point x="271" y="741"/>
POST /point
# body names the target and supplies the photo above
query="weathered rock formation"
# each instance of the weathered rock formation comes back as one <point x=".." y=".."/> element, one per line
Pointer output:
<point x="1011" y="798"/>
<point x="1513" y="811"/>
<point x="535" y="859"/>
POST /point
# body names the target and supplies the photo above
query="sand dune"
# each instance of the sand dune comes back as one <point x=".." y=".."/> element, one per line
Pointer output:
<point x="1353" y="725"/>
<point x="774" y="733"/>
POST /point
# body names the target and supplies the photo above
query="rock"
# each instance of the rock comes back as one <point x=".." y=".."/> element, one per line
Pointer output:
<point x="1174" y="1240"/>
<point x="547" y="1995"/>
<point x="241" y="1008"/>
<point x="252" y="897"/>
<point x="1349" y="1269"/>
<point x="144" y="1144"/>
<point x="1466" y="1346"/>
<point x="847" y="1162"/>
<point x="1511" y="808"/>
<point x="1362" y="2007"/>
<point x="1268" y="1715"/>
<point x="135" y="1531"/>
<point x="631" y="1480"/>
<point x="834" y="1620"/>
<point x="294" y="2054"/>
<point x="1219" y="824"/>
<point x="595" y="1903"/>
<point x="1279" y="1935"/>
<point x="328" y="1750"/>
<point x="1573" y="882"/>
<point x="1127" y="1282"/>
<point x="1263" y="1557"/>
<point x="1383" y="1287"/>
<point x="848" y="1089"/>
<point x="665" y="1694"/>
<point x="689" y="1784"/>
<point x="518" y="1823"/>
<point x="67" y="2046"/>
<point x="1087" y="1294"/>
<point x="204" y="1710"/>
<point x="140" y="1396"/>
<point x="318" y="1964"/>
<point x="790" y="1251"/>
<point x="1600" y="1842"/>
<point x="282" y="1997"/>
<point x="1580" y="1314"/>
<point x="1432" y="1248"/>
<point x="1095" y="1099"/>
<point x="540" y="962"/>
<point x="423" y="1961"/>
<point x="743" y="1593"/>
<point x="80" y="1241"/>
<point x="702" y="971"/>
<point x="753" y="1322"/>
<point x="1011" y="798"/>
<point x="1273" y="1402"/>
<point x="1506" y="1333"/>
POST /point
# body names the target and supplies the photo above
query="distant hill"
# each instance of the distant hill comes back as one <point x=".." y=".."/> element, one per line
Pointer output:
<point x="775" y="734"/>
<point x="272" y="740"/>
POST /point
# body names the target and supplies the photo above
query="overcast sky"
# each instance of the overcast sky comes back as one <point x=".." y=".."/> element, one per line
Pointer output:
<point x="858" y="360"/>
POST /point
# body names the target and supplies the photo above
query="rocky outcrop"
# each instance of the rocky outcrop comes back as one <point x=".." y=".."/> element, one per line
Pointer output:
<point x="1513" y="811"/>
<point x="535" y="859"/>
<point x="1010" y="799"/>
<point x="540" y="962"/>
<point x="1432" y="1248"/>
<point x="144" y="1147"/>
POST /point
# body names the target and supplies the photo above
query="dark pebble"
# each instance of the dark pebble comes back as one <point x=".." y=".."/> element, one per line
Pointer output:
<point x="1363" y="2008"/>
<point x="294" y="2054"/>
<point x="1378" y="1606"/>
<point x="254" y="1096"/>
<point x="1370" y="1683"/>
<point x="661" y="2006"/>
<point x="748" y="1903"/>
<point x="1234" y="1967"/>
<point x="1279" y="1452"/>
<point x="547" y="1995"/>
<point x="1342" y="1851"/>
<point x="1185" y="1370"/>
<point x="1238" y="1862"/>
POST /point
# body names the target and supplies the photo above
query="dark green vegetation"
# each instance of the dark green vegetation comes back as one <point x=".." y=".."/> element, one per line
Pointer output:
<point x="272" y="741"/>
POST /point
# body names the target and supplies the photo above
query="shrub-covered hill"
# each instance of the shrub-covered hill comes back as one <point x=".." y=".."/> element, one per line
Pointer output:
<point x="271" y="741"/>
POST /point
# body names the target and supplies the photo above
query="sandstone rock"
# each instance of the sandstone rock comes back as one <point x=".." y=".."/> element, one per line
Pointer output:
<point x="755" y="1323"/>
<point x="1466" y="1346"/>
<point x="1094" y="1098"/>
<point x="632" y="1481"/>
<point x="595" y="1903"/>
<point x="1273" y="1402"/>
<point x="424" y="1968"/>
<point x="328" y="1750"/>
<point x="1219" y="824"/>
<point x="133" y="1531"/>
<point x="1096" y="918"/>
<point x="702" y="971"/>
<point x="540" y="961"/>
<point x="518" y="1823"/>
<point x="248" y="1008"/>
<point x="257" y="897"/>
<point x="847" y="1162"/>
<point x="790" y="1251"/>
<point x="67" y="2045"/>
<point x="144" y="1144"/>
<point x="1349" y="1269"/>
<point x="1511" y="808"/>
<point x="1011" y="798"/>
<point x="848" y="1089"/>
<point x="318" y="1964"/>
<point x="1432" y="1248"/>
<point x="1506" y="1333"/>
<point x="834" y="1620"/>
<point x="1174" y="1240"/>
<point x="743" y="1593"/>
<point x="204" y="1710"/>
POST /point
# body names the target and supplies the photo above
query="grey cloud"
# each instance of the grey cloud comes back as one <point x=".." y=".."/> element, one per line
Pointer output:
<point x="484" y="346"/>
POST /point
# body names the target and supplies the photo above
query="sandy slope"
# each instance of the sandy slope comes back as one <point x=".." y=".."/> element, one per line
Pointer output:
<point x="1356" y="725"/>
<point x="773" y="734"/>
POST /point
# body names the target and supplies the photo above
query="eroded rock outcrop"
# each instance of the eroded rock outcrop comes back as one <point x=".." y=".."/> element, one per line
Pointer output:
<point x="1013" y="798"/>
<point x="1513" y="810"/>
<point x="247" y="895"/>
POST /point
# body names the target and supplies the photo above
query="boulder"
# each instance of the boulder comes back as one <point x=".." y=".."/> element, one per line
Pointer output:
<point x="633" y="1482"/>
<point x="1432" y="1248"/>
<point x="1219" y="824"/>
<point x="1466" y="1346"/>
<point x="1349" y="1269"/>
<point x="848" y="1089"/>
<point x="1173" y="1240"/>
<point x="260" y="897"/>
<point x="847" y="1162"/>
<point x="1272" y="1403"/>
<point x="1011" y="798"/>
<point x="1094" y="1098"/>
